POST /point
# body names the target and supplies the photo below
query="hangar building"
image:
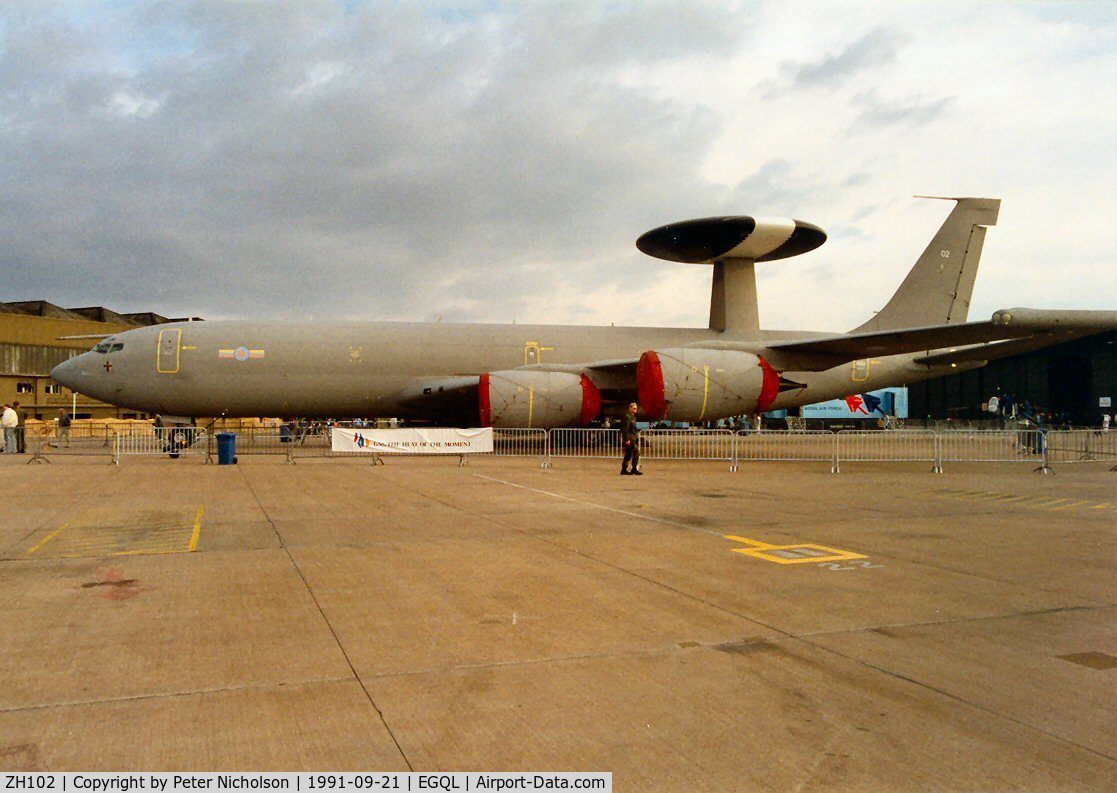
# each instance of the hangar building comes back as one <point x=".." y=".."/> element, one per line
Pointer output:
<point x="1075" y="382"/>
<point x="36" y="336"/>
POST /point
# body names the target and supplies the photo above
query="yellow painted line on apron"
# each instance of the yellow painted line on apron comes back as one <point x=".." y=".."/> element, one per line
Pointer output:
<point x="197" y="528"/>
<point x="1045" y="502"/>
<point x="45" y="540"/>
<point x="1071" y="504"/>
<point x="141" y="552"/>
<point x="53" y="534"/>
<point x="1028" y="500"/>
<point x="756" y="544"/>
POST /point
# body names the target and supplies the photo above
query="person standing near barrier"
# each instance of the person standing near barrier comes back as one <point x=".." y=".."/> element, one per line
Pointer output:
<point x="9" y="422"/>
<point x="64" y="422"/>
<point x="1105" y="422"/>
<point x="21" y="428"/>
<point x="630" y="439"/>
<point x="160" y="433"/>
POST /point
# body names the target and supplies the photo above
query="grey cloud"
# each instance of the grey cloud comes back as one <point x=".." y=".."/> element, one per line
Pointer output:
<point x="791" y="188"/>
<point x="881" y="113"/>
<point x="874" y="50"/>
<point x="434" y="144"/>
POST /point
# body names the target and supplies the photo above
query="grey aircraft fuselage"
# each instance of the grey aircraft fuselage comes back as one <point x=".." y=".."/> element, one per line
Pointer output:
<point x="368" y="369"/>
<point x="478" y="374"/>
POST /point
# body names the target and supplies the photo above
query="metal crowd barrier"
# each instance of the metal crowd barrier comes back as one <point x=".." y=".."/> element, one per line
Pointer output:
<point x="785" y="445"/>
<point x="992" y="446"/>
<point x="688" y="445"/>
<point x="523" y="443"/>
<point x="260" y="440"/>
<point x="171" y="441"/>
<point x="46" y="439"/>
<point x="886" y="447"/>
<point x="315" y="441"/>
<point x="1028" y="445"/>
<point x="596" y="443"/>
<point x="1081" y="446"/>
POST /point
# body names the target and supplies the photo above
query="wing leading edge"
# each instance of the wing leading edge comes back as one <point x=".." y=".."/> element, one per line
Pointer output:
<point x="1026" y="329"/>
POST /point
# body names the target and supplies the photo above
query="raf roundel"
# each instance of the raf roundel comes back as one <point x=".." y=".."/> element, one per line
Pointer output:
<point x="708" y="240"/>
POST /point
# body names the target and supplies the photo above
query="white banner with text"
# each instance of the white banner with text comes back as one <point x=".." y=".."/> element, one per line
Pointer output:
<point x="413" y="441"/>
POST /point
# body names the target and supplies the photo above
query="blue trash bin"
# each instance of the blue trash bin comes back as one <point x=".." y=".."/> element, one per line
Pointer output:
<point x="226" y="448"/>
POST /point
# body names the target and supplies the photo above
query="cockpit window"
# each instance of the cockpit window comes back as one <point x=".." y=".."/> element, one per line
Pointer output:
<point x="117" y="347"/>
<point x="103" y="347"/>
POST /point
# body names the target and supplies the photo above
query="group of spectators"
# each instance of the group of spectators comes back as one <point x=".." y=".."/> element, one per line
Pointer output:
<point x="13" y="420"/>
<point x="1009" y="409"/>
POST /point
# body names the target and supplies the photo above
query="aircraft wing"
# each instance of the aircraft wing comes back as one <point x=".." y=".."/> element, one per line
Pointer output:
<point x="1008" y="332"/>
<point x="1031" y="328"/>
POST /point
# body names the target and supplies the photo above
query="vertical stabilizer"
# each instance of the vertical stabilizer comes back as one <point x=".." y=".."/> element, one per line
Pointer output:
<point x="937" y="290"/>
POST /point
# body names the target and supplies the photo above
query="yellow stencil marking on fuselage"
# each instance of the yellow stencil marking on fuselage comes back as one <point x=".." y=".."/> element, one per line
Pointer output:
<point x="534" y="346"/>
<point x="705" y="391"/>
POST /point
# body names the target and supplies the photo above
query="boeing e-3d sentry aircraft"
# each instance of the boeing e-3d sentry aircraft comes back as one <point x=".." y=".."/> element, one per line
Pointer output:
<point x="557" y="375"/>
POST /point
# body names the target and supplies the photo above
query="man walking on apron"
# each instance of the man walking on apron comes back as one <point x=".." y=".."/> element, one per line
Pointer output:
<point x="630" y="438"/>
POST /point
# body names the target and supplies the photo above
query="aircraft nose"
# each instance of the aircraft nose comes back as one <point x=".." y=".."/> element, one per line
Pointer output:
<point x="67" y="373"/>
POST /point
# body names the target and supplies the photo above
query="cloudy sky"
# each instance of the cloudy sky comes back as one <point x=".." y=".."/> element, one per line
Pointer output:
<point x="494" y="162"/>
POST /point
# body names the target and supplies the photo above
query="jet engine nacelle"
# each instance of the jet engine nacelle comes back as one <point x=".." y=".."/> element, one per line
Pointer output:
<point x="701" y="385"/>
<point x="515" y="398"/>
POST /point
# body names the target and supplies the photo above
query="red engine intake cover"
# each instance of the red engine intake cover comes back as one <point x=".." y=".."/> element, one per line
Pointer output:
<point x="591" y="400"/>
<point x="649" y="386"/>
<point x="771" y="388"/>
<point x="483" y="399"/>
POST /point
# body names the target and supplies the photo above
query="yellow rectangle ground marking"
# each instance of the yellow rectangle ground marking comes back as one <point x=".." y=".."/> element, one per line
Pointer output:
<point x="112" y="531"/>
<point x="798" y="553"/>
